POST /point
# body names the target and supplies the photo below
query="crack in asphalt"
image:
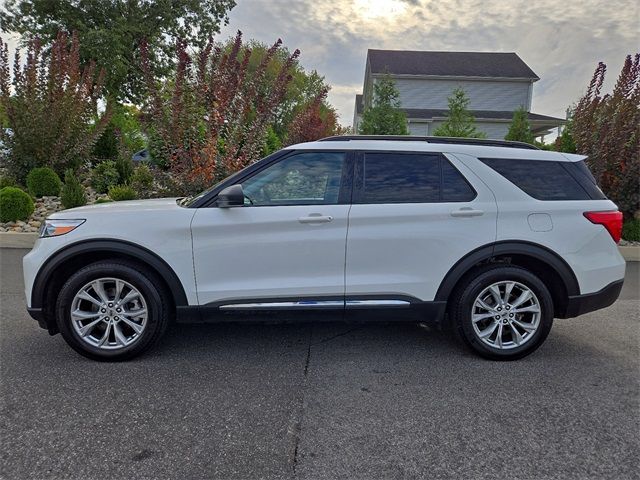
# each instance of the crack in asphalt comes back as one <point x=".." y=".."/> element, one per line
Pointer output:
<point x="297" y="423"/>
<point x="333" y="337"/>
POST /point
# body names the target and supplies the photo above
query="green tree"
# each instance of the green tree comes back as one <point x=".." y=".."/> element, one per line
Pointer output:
<point x="123" y="132"/>
<point x="565" y="141"/>
<point x="385" y="116"/>
<point x="520" y="128"/>
<point x="459" y="122"/>
<point x="110" y="31"/>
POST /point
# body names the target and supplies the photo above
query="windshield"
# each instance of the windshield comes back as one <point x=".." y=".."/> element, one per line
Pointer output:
<point x="188" y="201"/>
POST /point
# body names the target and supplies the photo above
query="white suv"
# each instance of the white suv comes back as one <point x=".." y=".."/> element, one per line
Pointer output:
<point x="497" y="238"/>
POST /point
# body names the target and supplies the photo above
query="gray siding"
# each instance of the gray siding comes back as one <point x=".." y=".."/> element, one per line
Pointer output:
<point x="484" y="94"/>
<point x="420" y="129"/>
<point x="357" y="119"/>
<point x="494" y="131"/>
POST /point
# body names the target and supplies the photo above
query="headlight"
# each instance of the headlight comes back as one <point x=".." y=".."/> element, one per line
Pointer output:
<point x="55" y="228"/>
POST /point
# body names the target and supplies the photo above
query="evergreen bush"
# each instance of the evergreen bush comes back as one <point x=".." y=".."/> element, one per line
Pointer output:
<point x="122" y="192"/>
<point x="72" y="194"/>
<point x="631" y="230"/>
<point x="43" y="182"/>
<point x="105" y="175"/>
<point x="15" y="204"/>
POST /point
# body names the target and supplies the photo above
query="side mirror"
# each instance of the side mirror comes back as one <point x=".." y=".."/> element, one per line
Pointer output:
<point x="232" y="196"/>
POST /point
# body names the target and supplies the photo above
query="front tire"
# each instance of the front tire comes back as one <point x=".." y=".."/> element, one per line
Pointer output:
<point x="503" y="312"/>
<point x="111" y="311"/>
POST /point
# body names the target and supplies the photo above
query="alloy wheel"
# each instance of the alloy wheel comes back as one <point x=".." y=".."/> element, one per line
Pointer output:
<point x="109" y="313"/>
<point x="506" y="315"/>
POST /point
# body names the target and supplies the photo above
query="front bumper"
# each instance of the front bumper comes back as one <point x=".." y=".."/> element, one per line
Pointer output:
<point x="38" y="315"/>
<point x="589" y="302"/>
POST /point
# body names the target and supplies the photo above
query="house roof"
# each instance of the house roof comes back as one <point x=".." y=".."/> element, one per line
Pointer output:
<point x="431" y="113"/>
<point x="449" y="64"/>
<point x="428" y="114"/>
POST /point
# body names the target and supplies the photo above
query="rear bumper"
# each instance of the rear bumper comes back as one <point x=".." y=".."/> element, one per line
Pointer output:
<point x="589" y="302"/>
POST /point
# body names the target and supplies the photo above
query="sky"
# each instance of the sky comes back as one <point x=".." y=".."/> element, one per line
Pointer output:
<point x="562" y="41"/>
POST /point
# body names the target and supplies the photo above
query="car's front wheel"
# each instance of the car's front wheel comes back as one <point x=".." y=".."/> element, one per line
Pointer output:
<point x="111" y="311"/>
<point x="503" y="312"/>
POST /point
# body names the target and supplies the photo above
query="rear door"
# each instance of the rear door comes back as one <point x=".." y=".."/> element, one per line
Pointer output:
<point x="414" y="215"/>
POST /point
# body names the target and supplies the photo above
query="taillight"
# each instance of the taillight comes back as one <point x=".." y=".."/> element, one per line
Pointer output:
<point x="612" y="221"/>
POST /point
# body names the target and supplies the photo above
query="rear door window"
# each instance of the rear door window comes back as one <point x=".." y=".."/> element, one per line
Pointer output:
<point x="455" y="187"/>
<point x="392" y="177"/>
<point x="548" y="180"/>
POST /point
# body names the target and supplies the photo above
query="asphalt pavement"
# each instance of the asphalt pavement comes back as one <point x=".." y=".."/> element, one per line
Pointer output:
<point x="321" y="401"/>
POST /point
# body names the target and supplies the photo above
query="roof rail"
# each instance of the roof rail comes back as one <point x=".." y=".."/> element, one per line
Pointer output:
<point x="445" y="140"/>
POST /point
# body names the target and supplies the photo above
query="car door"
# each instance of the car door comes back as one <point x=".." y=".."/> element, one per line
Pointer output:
<point x="285" y="247"/>
<point x="413" y="217"/>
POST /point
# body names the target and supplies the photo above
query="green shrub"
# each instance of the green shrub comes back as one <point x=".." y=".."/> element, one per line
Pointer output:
<point x="124" y="166"/>
<point x="15" y="204"/>
<point x="72" y="194"/>
<point x="43" y="182"/>
<point x="142" y="179"/>
<point x="631" y="230"/>
<point x="103" y="200"/>
<point x="104" y="175"/>
<point x="7" y="181"/>
<point x="107" y="144"/>
<point x="122" y="192"/>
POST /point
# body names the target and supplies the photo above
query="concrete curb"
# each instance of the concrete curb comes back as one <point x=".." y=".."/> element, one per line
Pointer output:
<point x="630" y="253"/>
<point x="17" y="240"/>
<point x="26" y="240"/>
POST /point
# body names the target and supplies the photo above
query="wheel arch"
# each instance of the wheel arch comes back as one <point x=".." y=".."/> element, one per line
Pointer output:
<point x="61" y="265"/>
<point x="540" y="260"/>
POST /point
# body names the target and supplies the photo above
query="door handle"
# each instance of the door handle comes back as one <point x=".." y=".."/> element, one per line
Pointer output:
<point x="316" y="218"/>
<point x="467" y="212"/>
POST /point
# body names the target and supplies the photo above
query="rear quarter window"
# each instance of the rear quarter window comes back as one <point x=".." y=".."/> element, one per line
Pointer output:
<point x="548" y="180"/>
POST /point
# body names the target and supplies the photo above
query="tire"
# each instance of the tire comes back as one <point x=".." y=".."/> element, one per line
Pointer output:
<point x="125" y="330"/>
<point x="522" y="329"/>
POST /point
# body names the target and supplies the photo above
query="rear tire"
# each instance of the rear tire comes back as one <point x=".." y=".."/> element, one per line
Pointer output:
<point x="502" y="312"/>
<point x="112" y="311"/>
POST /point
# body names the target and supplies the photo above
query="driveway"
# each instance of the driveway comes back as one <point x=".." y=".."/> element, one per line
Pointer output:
<point x="320" y="401"/>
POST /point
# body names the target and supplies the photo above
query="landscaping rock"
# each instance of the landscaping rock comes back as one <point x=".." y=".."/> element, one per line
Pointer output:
<point x="627" y="243"/>
<point x="44" y="206"/>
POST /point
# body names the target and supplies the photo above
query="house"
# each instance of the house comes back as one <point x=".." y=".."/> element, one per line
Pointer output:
<point x="497" y="84"/>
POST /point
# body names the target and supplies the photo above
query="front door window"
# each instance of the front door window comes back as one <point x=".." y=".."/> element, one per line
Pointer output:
<point x="310" y="178"/>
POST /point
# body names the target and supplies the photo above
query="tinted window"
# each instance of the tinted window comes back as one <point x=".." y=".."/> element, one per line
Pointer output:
<point x="541" y="179"/>
<point x="412" y="178"/>
<point x="401" y="178"/>
<point x="311" y="178"/>
<point x="454" y="186"/>
<point x="585" y="178"/>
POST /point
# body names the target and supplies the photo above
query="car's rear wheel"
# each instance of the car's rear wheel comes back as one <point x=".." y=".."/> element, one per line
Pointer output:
<point x="111" y="311"/>
<point x="503" y="312"/>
